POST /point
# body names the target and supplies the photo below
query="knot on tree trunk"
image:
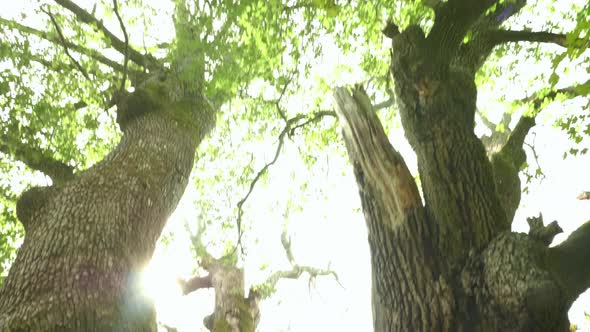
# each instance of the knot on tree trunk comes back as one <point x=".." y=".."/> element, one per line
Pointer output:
<point x="539" y="232"/>
<point x="30" y="205"/>
<point x="511" y="287"/>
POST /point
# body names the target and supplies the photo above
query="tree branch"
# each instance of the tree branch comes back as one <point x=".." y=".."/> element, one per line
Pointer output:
<point x="569" y="262"/>
<point x="194" y="283"/>
<point x="63" y="41"/>
<point x="142" y="60"/>
<point x="508" y="161"/>
<point x="206" y="261"/>
<point x="126" y="53"/>
<point x="506" y="36"/>
<point x="295" y="272"/>
<point x="452" y="21"/>
<point x="39" y="160"/>
<point x="290" y="127"/>
<point x="82" y="50"/>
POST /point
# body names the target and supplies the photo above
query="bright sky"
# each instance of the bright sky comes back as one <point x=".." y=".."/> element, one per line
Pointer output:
<point x="332" y="231"/>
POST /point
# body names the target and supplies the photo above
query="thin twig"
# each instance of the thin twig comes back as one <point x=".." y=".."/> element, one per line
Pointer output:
<point x="317" y="116"/>
<point x="126" y="53"/>
<point x="532" y="147"/>
<point x="64" y="43"/>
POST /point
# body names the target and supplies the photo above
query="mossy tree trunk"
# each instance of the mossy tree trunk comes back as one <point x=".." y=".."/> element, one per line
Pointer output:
<point x="88" y="238"/>
<point x="448" y="262"/>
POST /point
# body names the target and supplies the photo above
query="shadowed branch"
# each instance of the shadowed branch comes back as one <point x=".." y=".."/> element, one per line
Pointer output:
<point x="569" y="262"/>
<point x="508" y="161"/>
<point x="39" y="160"/>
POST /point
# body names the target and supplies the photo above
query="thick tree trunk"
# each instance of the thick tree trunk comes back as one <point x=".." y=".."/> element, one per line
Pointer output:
<point x="88" y="239"/>
<point x="420" y="283"/>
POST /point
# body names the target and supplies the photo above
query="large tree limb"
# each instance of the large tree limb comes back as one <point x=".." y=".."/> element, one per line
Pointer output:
<point x="380" y="165"/>
<point x="474" y="53"/>
<point x="454" y="18"/>
<point x="140" y="59"/>
<point x="508" y="161"/>
<point x="39" y="160"/>
<point x="506" y="36"/>
<point x="569" y="262"/>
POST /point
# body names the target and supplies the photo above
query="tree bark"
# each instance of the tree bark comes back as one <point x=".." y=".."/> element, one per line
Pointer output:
<point x="88" y="239"/>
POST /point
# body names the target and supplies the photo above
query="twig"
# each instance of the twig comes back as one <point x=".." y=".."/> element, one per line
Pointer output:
<point x="289" y="128"/>
<point x="317" y="116"/>
<point x="64" y="43"/>
<point x="532" y="147"/>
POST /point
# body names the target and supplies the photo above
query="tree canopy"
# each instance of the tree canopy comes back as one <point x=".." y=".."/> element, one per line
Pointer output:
<point x="269" y="69"/>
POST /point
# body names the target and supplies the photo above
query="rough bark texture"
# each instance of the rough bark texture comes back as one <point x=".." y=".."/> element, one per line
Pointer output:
<point x="450" y="263"/>
<point x="88" y="239"/>
<point x="233" y="311"/>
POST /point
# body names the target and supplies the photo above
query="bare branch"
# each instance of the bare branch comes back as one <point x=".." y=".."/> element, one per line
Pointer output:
<point x="63" y="40"/>
<point x="147" y="61"/>
<point x="206" y="261"/>
<point x="384" y="104"/>
<point x="194" y="283"/>
<point x="316" y="117"/>
<point x="290" y="126"/>
<point x="126" y="53"/>
<point x="286" y="242"/>
<point x="294" y="273"/>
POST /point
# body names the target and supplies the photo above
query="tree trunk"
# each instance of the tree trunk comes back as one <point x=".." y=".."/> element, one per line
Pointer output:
<point x="449" y="262"/>
<point x="88" y="239"/>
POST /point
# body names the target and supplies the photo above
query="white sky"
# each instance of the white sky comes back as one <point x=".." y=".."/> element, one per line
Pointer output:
<point x="333" y="232"/>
